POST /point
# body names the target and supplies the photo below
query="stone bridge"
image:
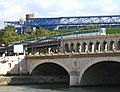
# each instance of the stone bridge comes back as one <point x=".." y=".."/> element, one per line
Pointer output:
<point x="82" y="61"/>
<point x="78" y="69"/>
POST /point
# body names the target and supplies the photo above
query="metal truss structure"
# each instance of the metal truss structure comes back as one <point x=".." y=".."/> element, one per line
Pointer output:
<point x="68" y="21"/>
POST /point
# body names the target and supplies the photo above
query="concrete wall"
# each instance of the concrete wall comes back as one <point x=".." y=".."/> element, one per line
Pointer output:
<point x="12" y="64"/>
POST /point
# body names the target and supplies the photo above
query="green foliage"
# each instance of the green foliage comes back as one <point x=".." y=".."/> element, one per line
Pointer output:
<point x="8" y="34"/>
<point x="1" y="34"/>
<point x="61" y="31"/>
<point x="39" y="32"/>
<point x="88" y="27"/>
<point x="113" y="31"/>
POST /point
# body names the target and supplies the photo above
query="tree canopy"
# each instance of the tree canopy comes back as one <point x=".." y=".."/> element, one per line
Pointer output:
<point x="8" y="34"/>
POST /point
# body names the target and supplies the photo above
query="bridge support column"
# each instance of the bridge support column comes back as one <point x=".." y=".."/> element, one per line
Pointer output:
<point x="74" y="78"/>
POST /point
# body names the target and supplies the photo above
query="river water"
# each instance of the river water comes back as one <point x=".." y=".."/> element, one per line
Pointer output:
<point x="57" y="88"/>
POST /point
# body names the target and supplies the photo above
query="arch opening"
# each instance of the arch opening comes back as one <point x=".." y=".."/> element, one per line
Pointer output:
<point x="72" y="47"/>
<point x="84" y="47"/>
<point x="118" y="45"/>
<point x="91" y="47"/>
<point x="105" y="46"/>
<point x="51" y="73"/>
<point x="78" y="47"/>
<point x="66" y="48"/>
<point x="102" y="73"/>
<point x="112" y="45"/>
<point x="97" y="46"/>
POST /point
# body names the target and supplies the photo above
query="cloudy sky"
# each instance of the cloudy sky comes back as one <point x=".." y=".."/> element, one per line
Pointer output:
<point x="11" y="10"/>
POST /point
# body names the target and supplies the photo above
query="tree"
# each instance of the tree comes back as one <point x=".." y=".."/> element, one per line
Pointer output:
<point x="8" y="34"/>
<point x="88" y="27"/>
<point x="1" y="34"/>
<point x="39" y="32"/>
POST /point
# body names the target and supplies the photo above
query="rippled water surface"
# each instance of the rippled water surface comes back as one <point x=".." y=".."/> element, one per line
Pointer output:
<point x="57" y="88"/>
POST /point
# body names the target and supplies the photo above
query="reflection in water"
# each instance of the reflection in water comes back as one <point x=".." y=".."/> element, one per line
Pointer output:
<point x="57" y="88"/>
<point x="49" y="86"/>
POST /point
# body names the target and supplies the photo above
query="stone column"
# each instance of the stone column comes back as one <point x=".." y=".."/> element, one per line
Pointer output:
<point x="49" y="50"/>
<point x="86" y="48"/>
<point x="106" y="48"/>
<point x="99" y="45"/>
<point x="93" y="48"/>
<point x="74" y="78"/>
<point x="62" y="47"/>
<point x="113" y="46"/>
<point x="80" y="48"/>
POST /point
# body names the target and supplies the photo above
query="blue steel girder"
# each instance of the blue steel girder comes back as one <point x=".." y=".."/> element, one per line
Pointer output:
<point x="83" y="20"/>
<point x="12" y="23"/>
<point x="42" y="21"/>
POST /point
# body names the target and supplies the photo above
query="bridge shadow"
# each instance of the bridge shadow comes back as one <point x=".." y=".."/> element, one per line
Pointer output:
<point x="102" y="74"/>
<point x="55" y="86"/>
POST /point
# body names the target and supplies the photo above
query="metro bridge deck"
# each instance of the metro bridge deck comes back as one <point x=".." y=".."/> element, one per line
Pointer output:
<point x="67" y="21"/>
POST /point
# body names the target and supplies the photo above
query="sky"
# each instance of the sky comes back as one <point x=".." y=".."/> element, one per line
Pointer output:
<point x="13" y="10"/>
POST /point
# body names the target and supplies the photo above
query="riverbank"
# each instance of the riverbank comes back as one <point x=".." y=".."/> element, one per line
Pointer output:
<point x="27" y="80"/>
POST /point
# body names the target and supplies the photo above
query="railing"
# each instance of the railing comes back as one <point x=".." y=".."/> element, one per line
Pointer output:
<point x="90" y="32"/>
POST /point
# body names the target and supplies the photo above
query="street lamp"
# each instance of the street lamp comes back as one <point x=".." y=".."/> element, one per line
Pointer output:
<point x="21" y="24"/>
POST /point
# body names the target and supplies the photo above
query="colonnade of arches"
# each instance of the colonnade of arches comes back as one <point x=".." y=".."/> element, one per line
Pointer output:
<point x="92" y="46"/>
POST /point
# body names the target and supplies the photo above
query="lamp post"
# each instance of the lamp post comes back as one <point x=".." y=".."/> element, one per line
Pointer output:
<point x="21" y="24"/>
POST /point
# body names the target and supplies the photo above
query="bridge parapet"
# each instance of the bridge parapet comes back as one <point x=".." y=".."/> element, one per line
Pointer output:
<point x="72" y="54"/>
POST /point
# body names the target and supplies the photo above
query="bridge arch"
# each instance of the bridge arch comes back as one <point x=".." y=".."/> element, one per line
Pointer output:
<point x="66" y="47"/>
<point x="33" y="66"/>
<point x="91" y="47"/>
<point x="50" y="72"/>
<point x="101" y="71"/>
<point x="118" y="45"/>
<point x="104" y="46"/>
<point x="78" y="47"/>
<point x="97" y="46"/>
<point x="112" y="45"/>
<point x="84" y="47"/>
<point x="72" y="47"/>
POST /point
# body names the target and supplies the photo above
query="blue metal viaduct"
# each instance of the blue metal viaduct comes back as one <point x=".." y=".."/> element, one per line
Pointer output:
<point x="56" y="23"/>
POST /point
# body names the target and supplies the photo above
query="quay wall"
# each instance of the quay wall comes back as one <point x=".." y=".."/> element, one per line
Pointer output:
<point x="23" y="80"/>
